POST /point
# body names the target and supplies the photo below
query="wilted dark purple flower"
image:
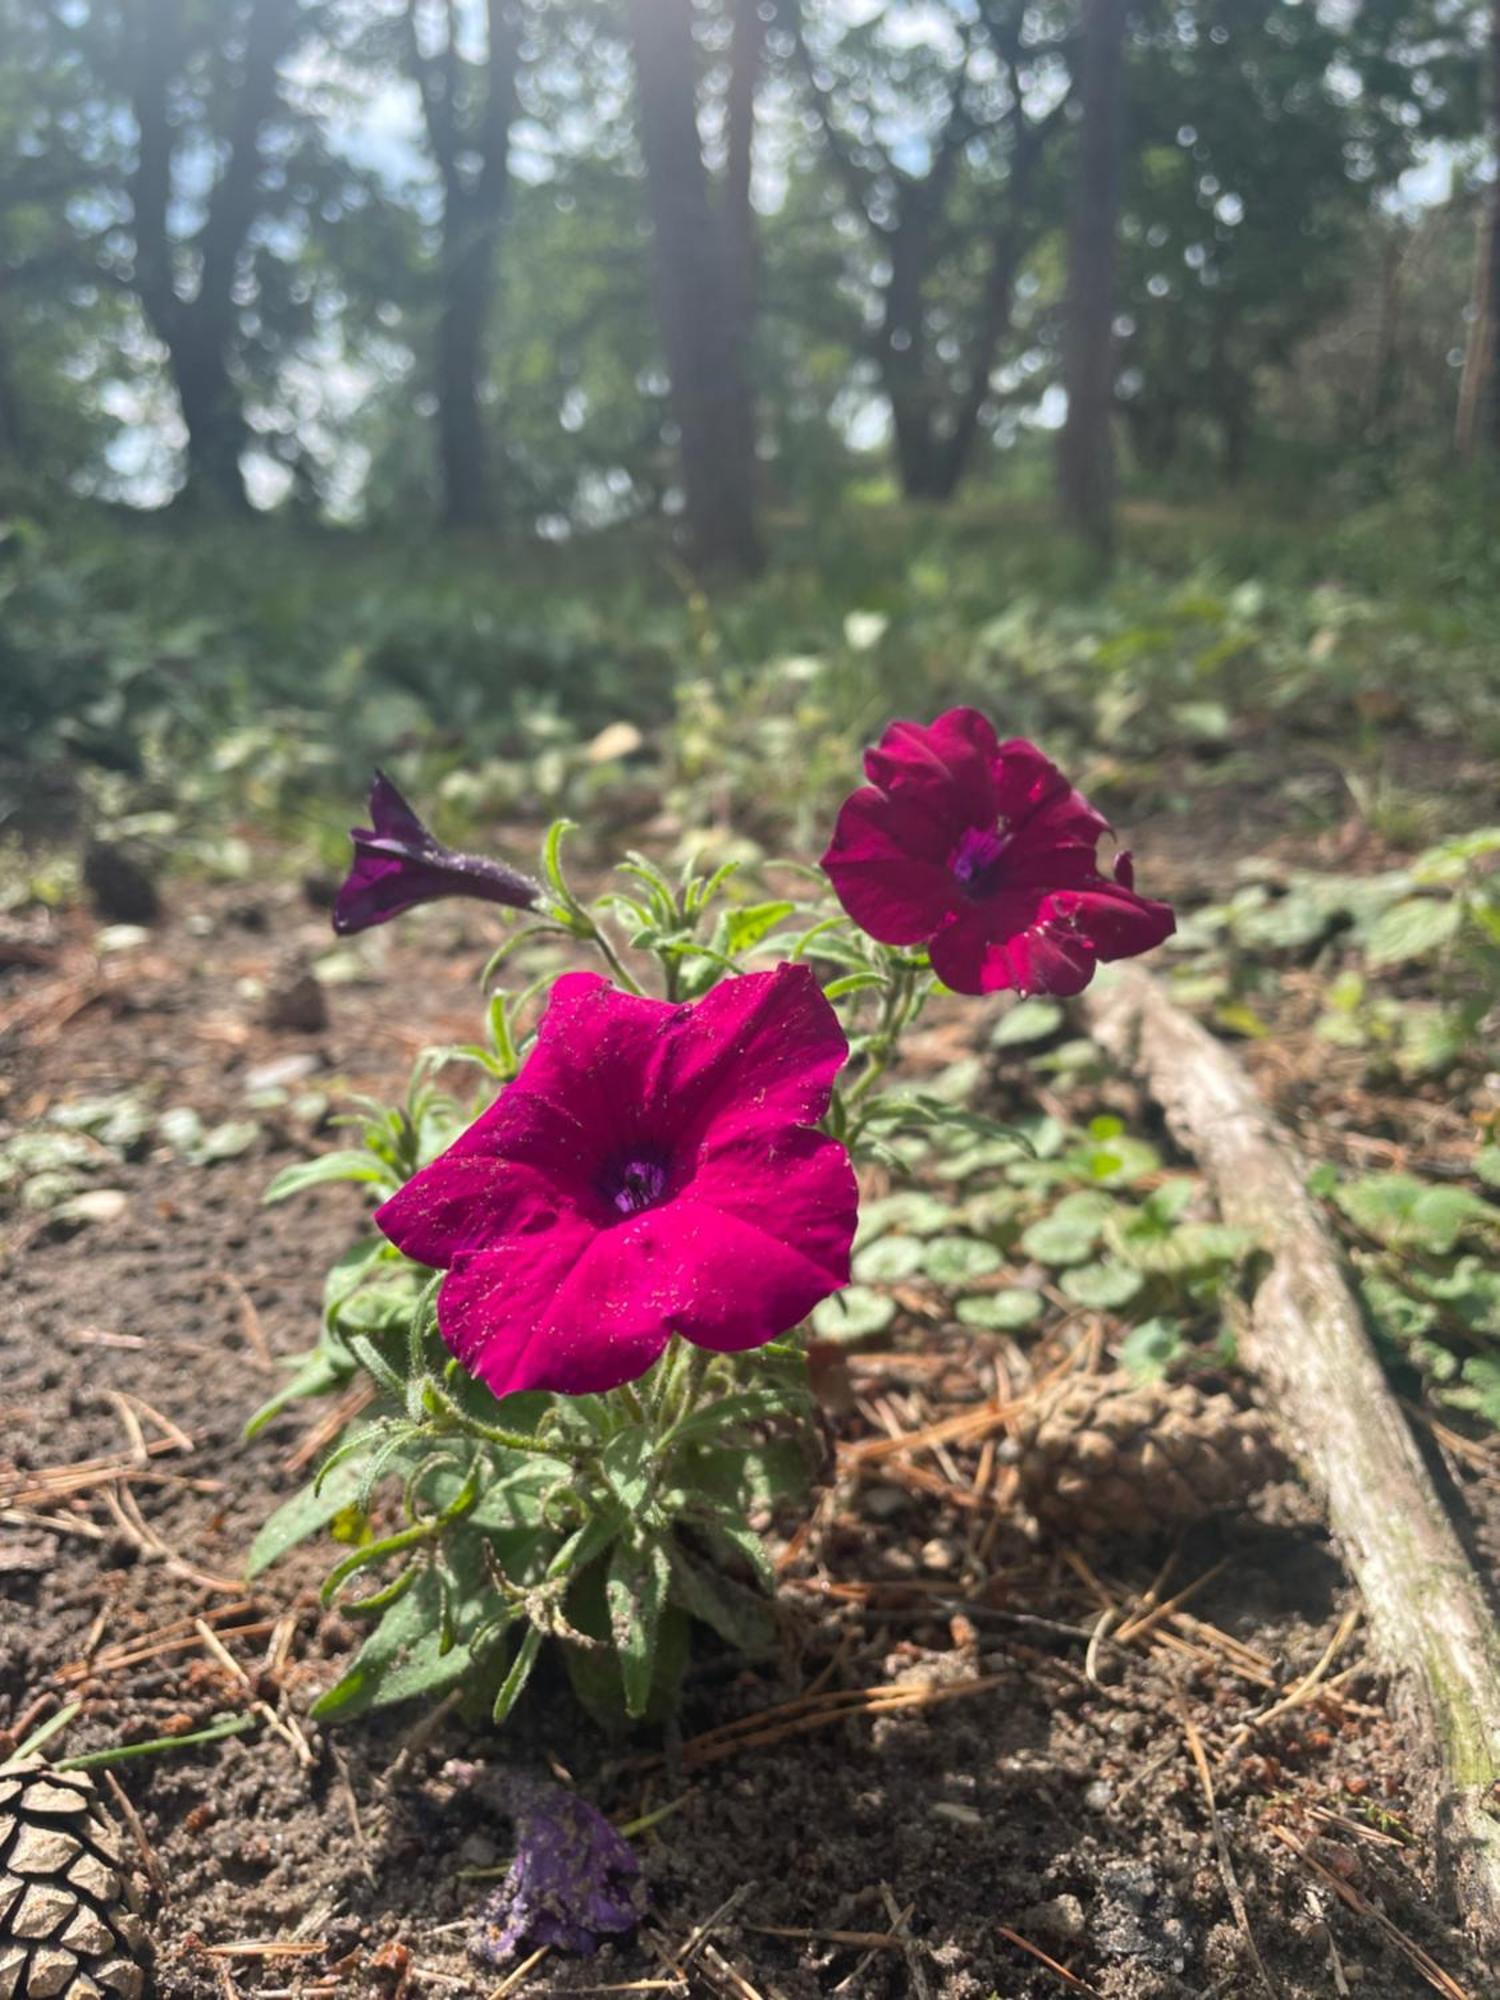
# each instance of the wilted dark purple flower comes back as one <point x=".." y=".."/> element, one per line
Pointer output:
<point x="573" y="1882"/>
<point x="398" y="864"/>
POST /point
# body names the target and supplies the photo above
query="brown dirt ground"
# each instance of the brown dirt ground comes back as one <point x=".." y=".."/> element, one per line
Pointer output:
<point x="1057" y="1806"/>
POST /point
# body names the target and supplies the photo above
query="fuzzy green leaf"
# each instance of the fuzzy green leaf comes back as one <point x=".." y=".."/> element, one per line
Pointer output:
<point x="635" y="1591"/>
<point x="741" y="1618"/>
<point x="345" y="1166"/>
<point x="1033" y="1020"/>
<point x="302" y="1516"/>
<point x="888" y="1260"/>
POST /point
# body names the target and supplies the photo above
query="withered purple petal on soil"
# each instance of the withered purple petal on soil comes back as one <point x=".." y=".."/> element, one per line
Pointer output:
<point x="572" y="1883"/>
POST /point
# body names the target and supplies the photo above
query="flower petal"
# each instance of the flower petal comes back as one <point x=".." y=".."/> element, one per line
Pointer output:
<point x="764" y="1047"/>
<point x="571" y="1308"/>
<point x="463" y="1202"/>
<point x="888" y="863"/>
<point x="952" y="758"/>
<point x="988" y="952"/>
<point x="1116" y="922"/>
<point x="392" y="817"/>
<point x="398" y="864"/>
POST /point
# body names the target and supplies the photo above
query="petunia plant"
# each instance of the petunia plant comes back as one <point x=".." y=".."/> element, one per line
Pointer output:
<point x="570" y="1340"/>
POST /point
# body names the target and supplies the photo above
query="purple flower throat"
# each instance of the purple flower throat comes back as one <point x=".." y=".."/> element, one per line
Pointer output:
<point x="637" y="1181"/>
<point x="976" y="861"/>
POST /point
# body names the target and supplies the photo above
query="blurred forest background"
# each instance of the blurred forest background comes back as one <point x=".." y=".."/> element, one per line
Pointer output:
<point x="459" y="377"/>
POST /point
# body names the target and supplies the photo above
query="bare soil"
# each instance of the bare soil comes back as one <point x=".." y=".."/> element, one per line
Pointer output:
<point x="1052" y="1798"/>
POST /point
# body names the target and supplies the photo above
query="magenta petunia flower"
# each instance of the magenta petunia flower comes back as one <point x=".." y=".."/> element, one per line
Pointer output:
<point x="398" y="864"/>
<point x="654" y="1169"/>
<point x="982" y="851"/>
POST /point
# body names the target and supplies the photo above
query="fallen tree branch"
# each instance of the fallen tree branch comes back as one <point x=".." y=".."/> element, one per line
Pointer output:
<point x="1429" y="1620"/>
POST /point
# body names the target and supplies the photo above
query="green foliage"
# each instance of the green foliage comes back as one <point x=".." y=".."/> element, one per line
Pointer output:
<point x="1086" y="1210"/>
<point x="1425" y="1255"/>
<point x="482" y="1528"/>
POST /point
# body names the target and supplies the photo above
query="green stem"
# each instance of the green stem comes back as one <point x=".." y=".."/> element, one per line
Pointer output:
<point x="53" y="1726"/>
<point x="902" y="1000"/>
<point x="440" y="1404"/>
<point x="611" y="957"/>
<point x="93" y="1760"/>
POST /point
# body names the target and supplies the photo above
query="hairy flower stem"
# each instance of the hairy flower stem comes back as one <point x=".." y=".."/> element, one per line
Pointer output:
<point x="441" y="1406"/>
<point x="903" y="996"/>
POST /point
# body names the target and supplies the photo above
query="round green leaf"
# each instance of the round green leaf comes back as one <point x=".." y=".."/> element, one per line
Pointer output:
<point x="1002" y="1312"/>
<point x="889" y="1259"/>
<point x="1102" y="1287"/>
<point x="853" y="1314"/>
<point x="952" y="1260"/>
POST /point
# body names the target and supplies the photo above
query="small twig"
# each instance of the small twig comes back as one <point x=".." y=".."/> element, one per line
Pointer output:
<point x="284" y="1727"/>
<point x="717" y="1967"/>
<point x="1141" y="1627"/>
<point x="513" y="1979"/>
<point x="55" y="1524"/>
<point x="351" y="1806"/>
<point x="1096" y="1639"/>
<point x="700" y="1936"/>
<point x="1061" y="1971"/>
<point x="250" y="1326"/>
<point x="1347" y="1894"/>
<point x="921" y="1985"/>
<point x="121" y="1502"/>
<point x="132" y="1425"/>
<point x="55" y="1482"/>
<point x="1221" y="1847"/>
<point x="1302" y="1690"/>
<point x="268" y="1948"/>
<point x="866" y="1940"/>
<point x="851" y="1983"/>
<point x="173" y="1433"/>
<point x="127" y="1812"/>
<point x="330" y="1425"/>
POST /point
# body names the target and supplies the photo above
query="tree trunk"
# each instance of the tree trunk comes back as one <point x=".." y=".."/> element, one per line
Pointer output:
<point x="463" y="320"/>
<point x="216" y="433"/>
<point x="1478" y="427"/>
<point x="198" y="331"/>
<point x="472" y="152"/>
<point x="746" y="53"/>
<point x="1086" y="448"/>
<point x="695" y="290"/>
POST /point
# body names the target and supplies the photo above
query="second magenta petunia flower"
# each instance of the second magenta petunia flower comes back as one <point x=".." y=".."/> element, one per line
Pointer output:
<point x="653" y="1169"/>
<point x="983" y="851"/>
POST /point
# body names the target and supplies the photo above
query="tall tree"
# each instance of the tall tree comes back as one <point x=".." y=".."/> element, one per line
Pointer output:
<point x="700" y="263"/>
<point x="1479" y="395"/>
<point x="188" y="288"/>
<point x="1262" y="136"/>
<point x="1085" y="458"/>
<point x="468" y="106"/>
<point x="938" y="138"/>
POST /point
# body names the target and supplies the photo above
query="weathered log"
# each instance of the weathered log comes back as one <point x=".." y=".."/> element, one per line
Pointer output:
<point x="1430" y="1623"/>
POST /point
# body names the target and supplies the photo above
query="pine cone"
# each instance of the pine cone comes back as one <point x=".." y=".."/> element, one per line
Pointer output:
<point x="1105" y="1456"/>
<point x="69" y="1926"/>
